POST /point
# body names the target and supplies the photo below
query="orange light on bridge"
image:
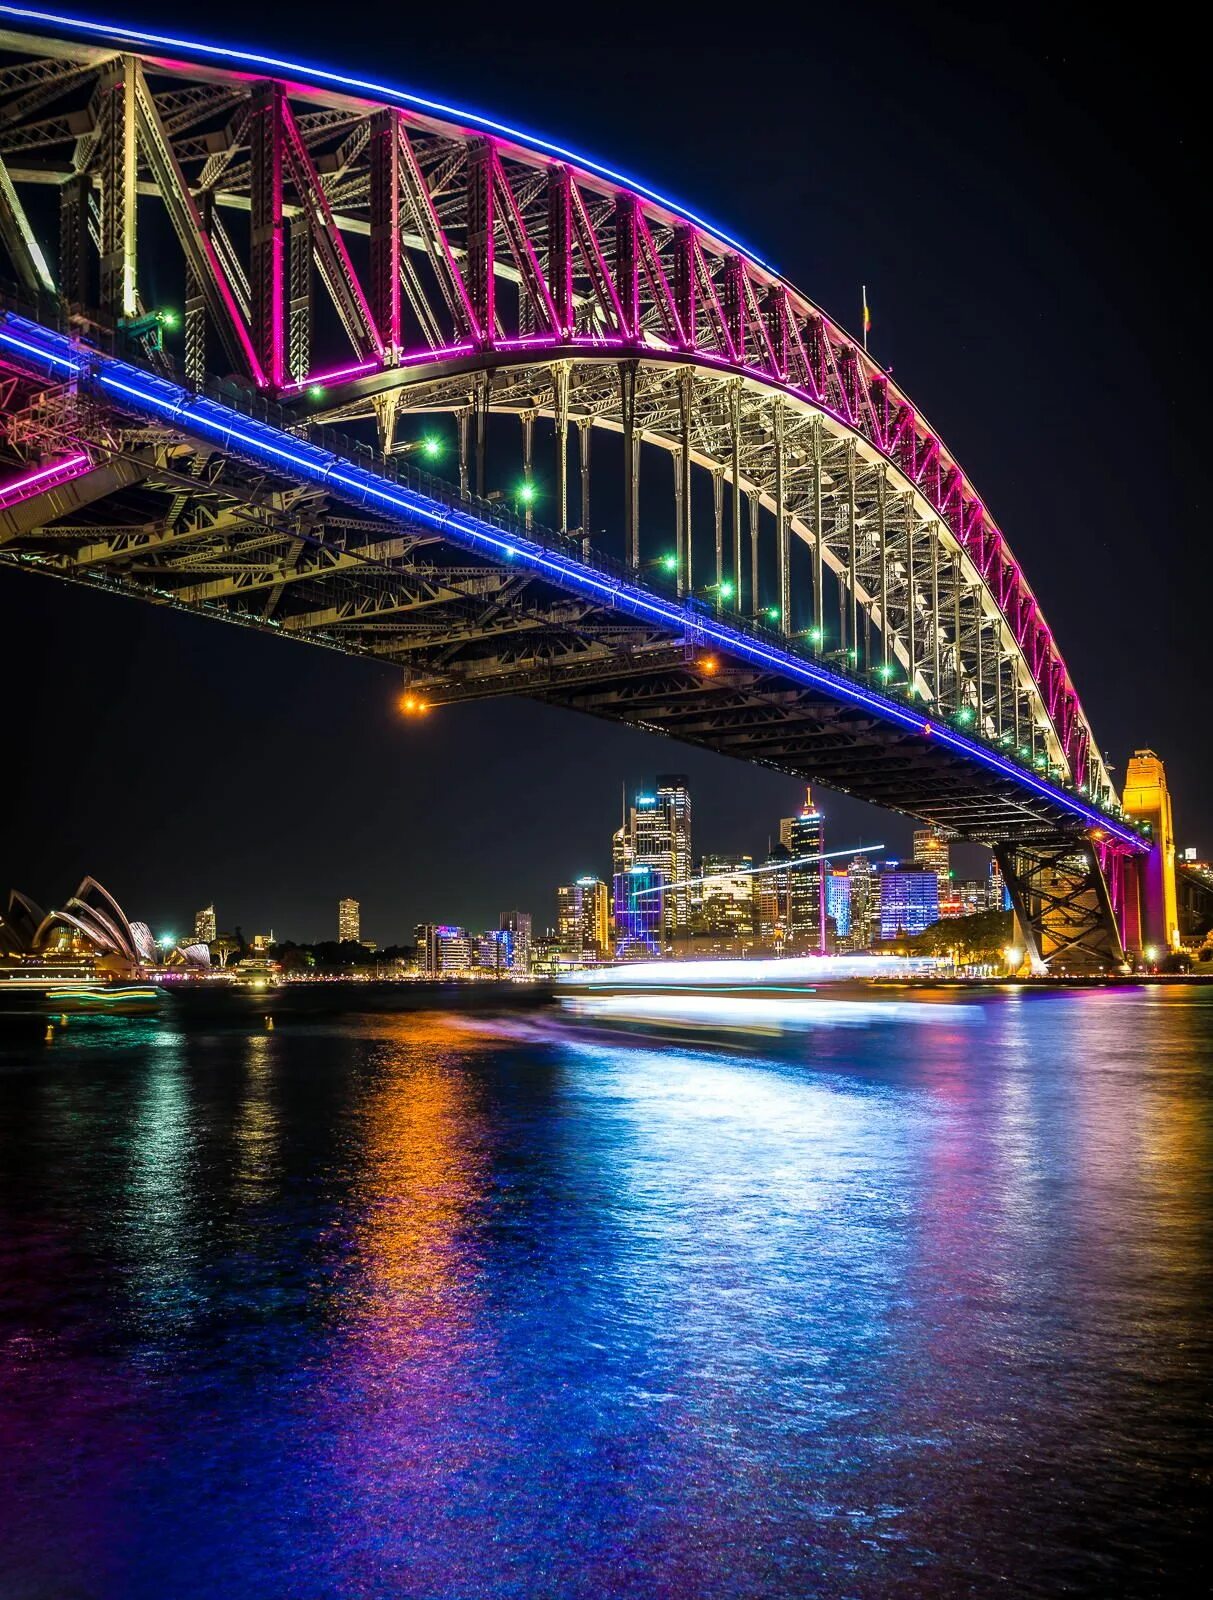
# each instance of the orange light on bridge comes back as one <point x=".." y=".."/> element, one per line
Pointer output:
<point x="412" y="705"/>
<point x="709" y="665"/>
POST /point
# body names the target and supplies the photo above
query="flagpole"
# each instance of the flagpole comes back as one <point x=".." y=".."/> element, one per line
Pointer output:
<point x="863" y="315"/>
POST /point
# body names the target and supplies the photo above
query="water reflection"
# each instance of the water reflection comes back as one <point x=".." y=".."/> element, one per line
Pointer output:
<point x="381" y="1305"/>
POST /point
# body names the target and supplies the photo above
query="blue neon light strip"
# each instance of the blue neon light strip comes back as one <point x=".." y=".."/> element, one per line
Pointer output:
<point x="252" y="60"/>
<point x="259" y="441"/>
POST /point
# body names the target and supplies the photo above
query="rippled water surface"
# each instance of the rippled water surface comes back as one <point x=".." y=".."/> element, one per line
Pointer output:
<point x="425" y="1304"/>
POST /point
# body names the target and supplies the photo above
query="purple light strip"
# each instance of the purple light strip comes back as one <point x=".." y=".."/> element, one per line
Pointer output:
<point x="16" y="490"/>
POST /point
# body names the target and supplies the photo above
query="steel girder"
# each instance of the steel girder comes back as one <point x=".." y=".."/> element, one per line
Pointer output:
<point x="502" y="278"/>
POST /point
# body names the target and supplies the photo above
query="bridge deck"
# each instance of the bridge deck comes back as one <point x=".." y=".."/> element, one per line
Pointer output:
<point x="210" y="503"/>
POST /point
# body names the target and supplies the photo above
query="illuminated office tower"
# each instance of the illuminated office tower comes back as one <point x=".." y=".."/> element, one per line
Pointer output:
<point x="583" y="919"/>
<point x="773" y="901"/>
<point x="656" y="833"/>
<point x="909" y="901"/>
<point x="864" y="903"/>
<point x="349" y="921"/>
<point x="206" y="928"/>
<point x="997" y="895"/>
<point x="803" y="836"/>
<point x="639" y="913"/>
<point x="725" y="898"/>
<point x="674" y="799"/>
<point x="838" y="903"/>
<point x="518" y="925"/>
<point x="931" y="850"/>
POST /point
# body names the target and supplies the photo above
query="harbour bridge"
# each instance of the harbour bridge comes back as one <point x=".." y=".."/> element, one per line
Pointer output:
<point x="251" y="304"/>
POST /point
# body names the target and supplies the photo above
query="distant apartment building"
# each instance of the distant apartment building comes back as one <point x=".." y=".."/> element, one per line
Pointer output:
<point x="442" y="949"/>
<point x="206" y="927"/>
<point x="349" y="921"/>
<point x="518" y="925"/>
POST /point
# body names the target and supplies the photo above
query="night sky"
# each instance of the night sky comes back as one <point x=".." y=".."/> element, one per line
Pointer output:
<point x="1016" y="191"/>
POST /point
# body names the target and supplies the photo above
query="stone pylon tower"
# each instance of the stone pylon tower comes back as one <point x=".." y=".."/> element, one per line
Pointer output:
<point x="1147" y="799"/>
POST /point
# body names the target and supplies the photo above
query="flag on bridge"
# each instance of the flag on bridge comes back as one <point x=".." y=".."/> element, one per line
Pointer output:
<point x="867" y="317"/>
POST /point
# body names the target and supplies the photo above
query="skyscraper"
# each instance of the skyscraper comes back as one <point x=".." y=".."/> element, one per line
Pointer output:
<point x="864" y="904"/>
<point x="657" y="833"/>
<point x="349" y="921"/>
<point x="772" y="900"/>
<point x="674" y="798"/>
<point x="583" y="918"/>
<point x="206" y="928"/>
<point x="931" y="850"/>
<point x="803" y="836"/>
<point x="726" y="897"/>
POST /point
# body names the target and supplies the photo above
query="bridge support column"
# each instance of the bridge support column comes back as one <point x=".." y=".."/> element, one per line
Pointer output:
<point x="682" y="494"/>
<point x="560" y="389"/>
<point x="528" y="462"/>
<point x="116" y="115"/>
<point x="735" y="488"/>
<point x="1063" y="906"/>
<point x="631" y="463"/>
<point x="1147" y="799"/>
<point x="585" y="437"/>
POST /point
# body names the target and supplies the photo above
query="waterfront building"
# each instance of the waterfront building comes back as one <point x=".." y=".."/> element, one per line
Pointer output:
<point x="349" y="921"/>
<point x="442" y="949"/>
<point x="639" y="895"/>
<point x="838" y="904"/>
<point x="494" y="951"/>
<point x="583" y="918"/>
<point x="803" y="837"/>
<point x="206" y="926"/>
<point x="518" y="925"/>
<point x="865" y="904"/>
<point x="909" y="900"/>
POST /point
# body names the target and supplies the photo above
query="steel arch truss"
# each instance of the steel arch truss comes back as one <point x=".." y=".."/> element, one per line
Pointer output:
<point x="409" y="261"/>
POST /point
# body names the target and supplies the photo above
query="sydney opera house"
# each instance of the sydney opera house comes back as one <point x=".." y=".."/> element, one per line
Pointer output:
<point x="90" y="931"/>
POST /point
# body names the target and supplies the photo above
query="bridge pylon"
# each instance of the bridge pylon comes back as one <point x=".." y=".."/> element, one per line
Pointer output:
<point x="1152" y="906"/>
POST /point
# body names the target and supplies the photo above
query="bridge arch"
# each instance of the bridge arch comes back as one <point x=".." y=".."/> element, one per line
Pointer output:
<point x="464" y="266"/>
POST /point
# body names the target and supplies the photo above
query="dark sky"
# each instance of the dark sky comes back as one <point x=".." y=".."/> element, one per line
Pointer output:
<point x="1016" y="190"/>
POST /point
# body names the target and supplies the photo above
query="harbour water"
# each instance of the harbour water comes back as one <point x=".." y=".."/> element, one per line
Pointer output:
<point x="441" y="1304"/>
